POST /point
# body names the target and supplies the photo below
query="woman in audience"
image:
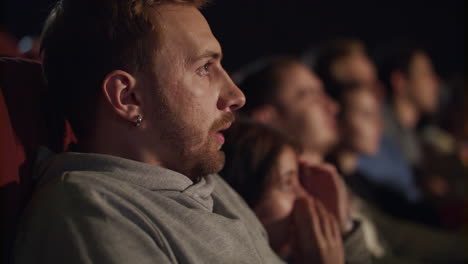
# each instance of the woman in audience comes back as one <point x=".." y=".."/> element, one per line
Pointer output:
<point x="262" y="166"/>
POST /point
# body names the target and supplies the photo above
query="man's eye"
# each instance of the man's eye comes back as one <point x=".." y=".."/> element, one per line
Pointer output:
<point x="205" y="69"/>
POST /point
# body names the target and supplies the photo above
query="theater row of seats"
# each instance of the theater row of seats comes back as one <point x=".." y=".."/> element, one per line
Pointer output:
<point x="26" y="123"/>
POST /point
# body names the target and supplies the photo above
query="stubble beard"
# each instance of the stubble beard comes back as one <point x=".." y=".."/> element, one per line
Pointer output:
<point x="210" y="158"/>
<point x="193" y="152"/>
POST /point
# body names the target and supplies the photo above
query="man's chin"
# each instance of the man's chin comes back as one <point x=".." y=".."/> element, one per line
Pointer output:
<point x="218" y="162"/>
<point x="210" y="163"/>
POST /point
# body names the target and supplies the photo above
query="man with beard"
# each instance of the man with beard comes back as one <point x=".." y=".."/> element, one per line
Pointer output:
<point x="142" y="85"/>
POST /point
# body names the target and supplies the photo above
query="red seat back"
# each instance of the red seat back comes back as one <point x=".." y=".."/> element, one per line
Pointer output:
<point x="26" y="122"/>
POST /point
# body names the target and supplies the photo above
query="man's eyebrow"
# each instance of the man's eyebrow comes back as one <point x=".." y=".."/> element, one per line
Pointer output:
<point x="209" y="54"/>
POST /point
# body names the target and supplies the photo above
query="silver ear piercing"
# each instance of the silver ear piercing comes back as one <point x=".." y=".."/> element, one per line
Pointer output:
<point x="139" y="119"/>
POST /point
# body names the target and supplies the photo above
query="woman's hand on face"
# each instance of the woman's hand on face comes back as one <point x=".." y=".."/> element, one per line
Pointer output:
<point x="317" y="236"/>
<point x="323" y="182"/>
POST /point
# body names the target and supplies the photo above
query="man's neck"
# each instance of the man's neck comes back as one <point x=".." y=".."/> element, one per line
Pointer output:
<point x="406" y="113"/>
<point x="119" y="150"/>
<point x="312" y="157"/>
<point x="347" y="162"/>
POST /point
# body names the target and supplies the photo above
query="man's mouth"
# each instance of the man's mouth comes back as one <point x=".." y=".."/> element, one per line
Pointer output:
<point x="219" y="134"/>
<point x="219" y="126"/>
<point x="219" y="138"/>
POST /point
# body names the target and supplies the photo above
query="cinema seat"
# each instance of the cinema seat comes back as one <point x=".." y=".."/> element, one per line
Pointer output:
<point x="26" y="123"/>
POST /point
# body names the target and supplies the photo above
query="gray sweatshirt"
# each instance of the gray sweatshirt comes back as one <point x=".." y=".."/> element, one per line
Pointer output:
<point x="94" y="208"/>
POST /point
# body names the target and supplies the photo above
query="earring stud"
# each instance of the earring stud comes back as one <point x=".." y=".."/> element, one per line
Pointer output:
<point x="139" y="119"/>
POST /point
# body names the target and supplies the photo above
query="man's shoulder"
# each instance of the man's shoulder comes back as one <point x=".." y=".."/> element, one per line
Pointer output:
<point x="84" y="182"/>
<point x="85" y="176"/>
<point x="221" y="184"/>
<point x="224" y="191"/>
<point x="77" y="189"/>
<point x="235" y="204"/>
<point x="79" y="194"/>
<point x="78" y="210"/>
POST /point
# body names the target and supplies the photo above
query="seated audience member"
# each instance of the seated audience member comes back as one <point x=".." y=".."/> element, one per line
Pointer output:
<point x="341" y="62"/>
<point x="287" y="77"/>
<point x="262" y="166"/>
<point x="149" y="101"/>
<point x="412" y="94"/>
<point x="359" y="122"/>
<point x="285" y="94"/>
<point x="412" y="89"/>
<point x="344" y="61"/>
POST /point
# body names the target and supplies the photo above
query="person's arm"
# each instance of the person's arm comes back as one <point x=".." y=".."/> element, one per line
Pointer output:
<point x="354" y="244"/>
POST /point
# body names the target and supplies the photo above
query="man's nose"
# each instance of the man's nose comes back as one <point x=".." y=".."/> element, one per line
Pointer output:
<point x="231" y="97"/>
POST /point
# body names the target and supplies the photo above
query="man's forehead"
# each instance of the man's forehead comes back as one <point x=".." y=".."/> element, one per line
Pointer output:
<point x="186" y="27"/>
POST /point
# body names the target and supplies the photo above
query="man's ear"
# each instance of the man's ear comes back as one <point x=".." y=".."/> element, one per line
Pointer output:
<point x="119" y="89"/>
<point x="398" y="81"/>
<point x="266" y="114"/>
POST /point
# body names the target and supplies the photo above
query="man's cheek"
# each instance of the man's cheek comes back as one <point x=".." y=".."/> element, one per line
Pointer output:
<point x="198" y="86"/>
<point x="198" y="91"/>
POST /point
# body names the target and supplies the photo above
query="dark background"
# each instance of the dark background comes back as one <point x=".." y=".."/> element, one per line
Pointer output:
<point x="249" y="29"/>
